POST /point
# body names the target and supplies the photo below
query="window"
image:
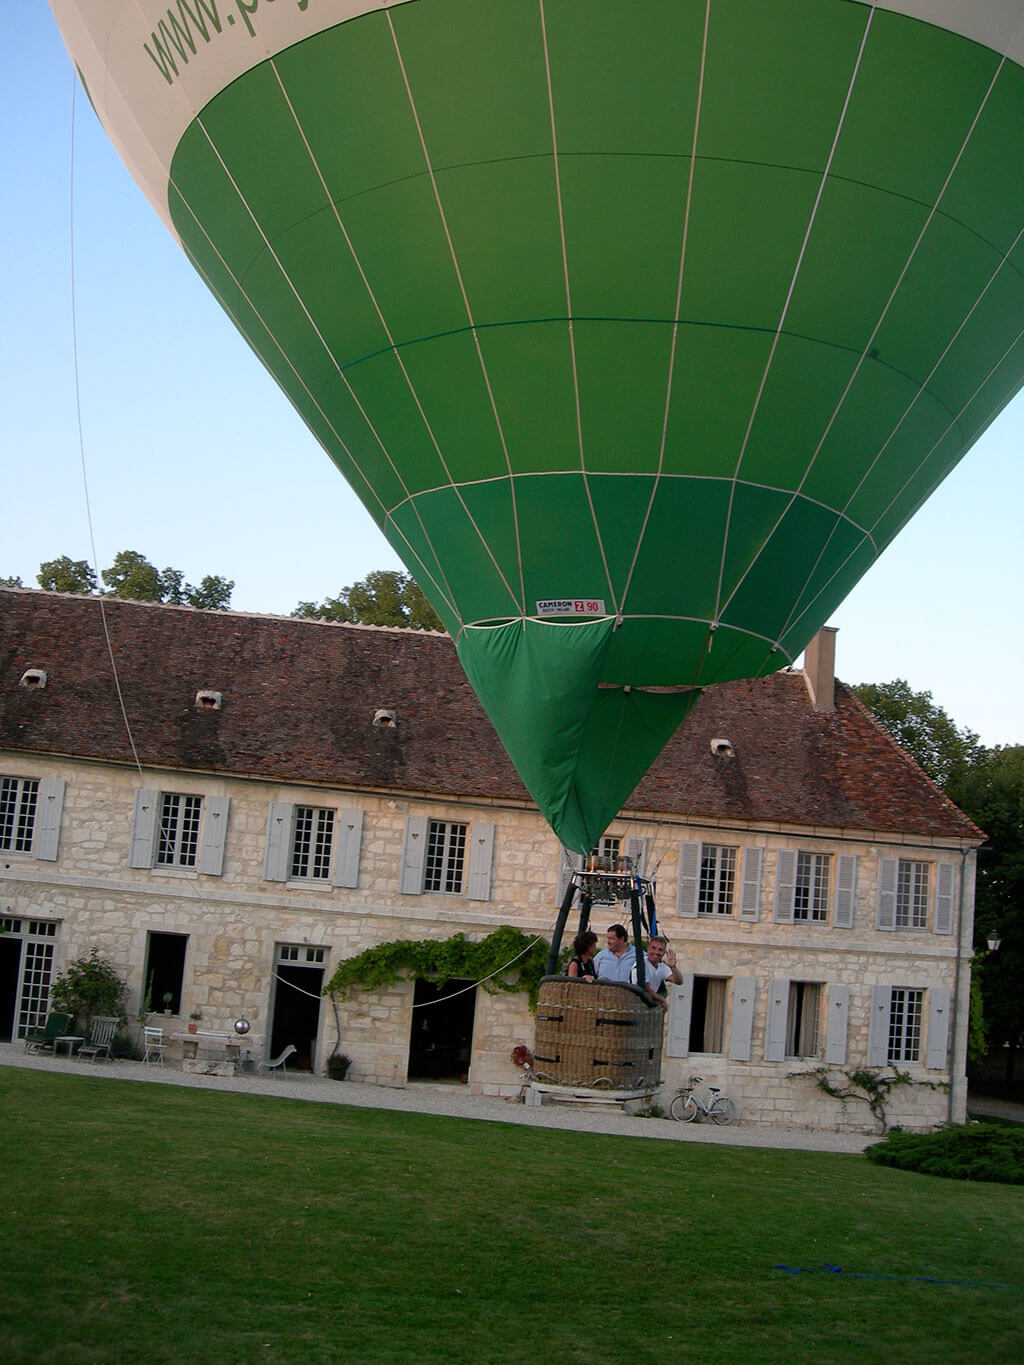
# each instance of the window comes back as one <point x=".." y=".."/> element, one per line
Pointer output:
<point x="312" y="841"/>
<point x="803" y="1019"/>
<point x="164" y="972"/>
<point x="911" y="895"/>
<point x="446" y="855"/>
<point x="717" y="880"/>
<point x="906" y="1008"/>
<point x="178" y="830"/>
<point x="18" y="797"/>
<point x="810" y="895"/>
<point x="707" y="1014"/>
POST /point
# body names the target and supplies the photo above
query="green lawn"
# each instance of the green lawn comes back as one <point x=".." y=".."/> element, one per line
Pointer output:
<point x="150" y="1223"/>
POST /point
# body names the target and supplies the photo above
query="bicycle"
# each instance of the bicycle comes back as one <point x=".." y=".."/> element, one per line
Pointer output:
<point x="687" y="1104"/>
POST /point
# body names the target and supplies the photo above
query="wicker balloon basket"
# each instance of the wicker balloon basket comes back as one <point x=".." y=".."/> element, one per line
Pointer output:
<point x="601" y="1036"/>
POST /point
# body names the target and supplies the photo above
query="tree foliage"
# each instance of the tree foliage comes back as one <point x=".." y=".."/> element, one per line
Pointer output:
<point x="918" y="725"/>
<point x="88" y="986"/>
<point x="385" y="597"/>
<point x="67" y="575"/>
<point x="132" y="576"/>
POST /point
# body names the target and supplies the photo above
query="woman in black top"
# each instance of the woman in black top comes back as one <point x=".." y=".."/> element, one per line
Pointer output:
<point x="581" y="964"/>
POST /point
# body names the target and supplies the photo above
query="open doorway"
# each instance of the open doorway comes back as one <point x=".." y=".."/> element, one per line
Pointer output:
<point x="442" y="1031"/>
<point x="295" y="1003"/>
<point x="10" y="970"/>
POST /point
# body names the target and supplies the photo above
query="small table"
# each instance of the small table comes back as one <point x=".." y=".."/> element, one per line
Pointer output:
<point x="70" y="1039"/>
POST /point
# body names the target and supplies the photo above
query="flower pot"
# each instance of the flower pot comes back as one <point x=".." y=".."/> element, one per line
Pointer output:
<point x="193" y="1028"/>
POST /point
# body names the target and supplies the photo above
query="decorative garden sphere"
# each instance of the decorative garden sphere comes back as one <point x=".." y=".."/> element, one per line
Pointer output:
<point x="242" y="1026"/>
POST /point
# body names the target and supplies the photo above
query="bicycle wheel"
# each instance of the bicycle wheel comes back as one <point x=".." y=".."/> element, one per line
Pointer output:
<point x="684" y="1108"/>
<point x="722" y="1110"/>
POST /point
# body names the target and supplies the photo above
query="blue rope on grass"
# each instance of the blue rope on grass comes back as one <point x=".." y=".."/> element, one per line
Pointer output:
<point x="827" y="1269"/>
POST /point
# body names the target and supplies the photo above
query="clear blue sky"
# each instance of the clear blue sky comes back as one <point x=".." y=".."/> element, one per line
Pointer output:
<point x="195" y="458"/>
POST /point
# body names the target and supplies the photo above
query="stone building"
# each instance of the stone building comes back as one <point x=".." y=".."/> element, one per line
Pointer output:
<point x="226" y="806"/>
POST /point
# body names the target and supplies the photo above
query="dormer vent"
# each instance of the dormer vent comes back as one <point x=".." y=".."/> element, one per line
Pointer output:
<point x="209" y="701"/>
<point x="722" y="748"/>
<point x="384" y="720"/>
<point x="34" y="678"/>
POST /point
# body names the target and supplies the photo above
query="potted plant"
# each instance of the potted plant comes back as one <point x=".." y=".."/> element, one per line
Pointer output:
<point x="338" y="1065"/>
<point x="168" y="997"/>
<point x="194" y="1019"/>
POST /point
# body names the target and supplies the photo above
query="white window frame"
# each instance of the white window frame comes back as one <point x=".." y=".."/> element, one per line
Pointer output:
<point x="913" y="886"/>
<point x="177" y="832"/>
<point x="312" y="843"/>
<point x="716" y="893"/>
<point x="444" y="866"/>
<point x="813" y="876"/>
<point x="804" y="1014"/>
<point x="34" y="806"/>
<point x="156" y="843"/>
<point x="906" y="1025"/>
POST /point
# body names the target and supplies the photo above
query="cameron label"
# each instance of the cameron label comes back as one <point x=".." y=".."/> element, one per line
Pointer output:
<point x="572" y="606"/>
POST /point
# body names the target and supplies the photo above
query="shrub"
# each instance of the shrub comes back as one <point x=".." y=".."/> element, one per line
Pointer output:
<point x="88" y="986"/>
<point x="979" y="1152"/>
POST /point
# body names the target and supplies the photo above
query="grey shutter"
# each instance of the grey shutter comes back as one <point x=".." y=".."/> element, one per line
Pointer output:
<point x="775" y="1025"/>
<point x="347" y="848"/>
<point x="750" y="885"/>
<point x="46" y="830"/>
<point x="837" y="1025"/>
<point x="744" y="993"/>
<point x="939" y="999"/>
<point x="846" y="891"/>
<point x="878" y="1031"/>
<point x="887" y="871"/>
<point x="481" y="856"/>
<point x="785" y="884"/>
<point x="636" y="848"/>
<point x="414" y="856"/>
<point x="568" y="863"/>
<point x="215" y="830"/>
<point x="945" y="880"/>
<point x="277" y="854"/>
<point x="689" y="881"/>
<point x="143" y="836"/>
<point x="680" y="1007"/>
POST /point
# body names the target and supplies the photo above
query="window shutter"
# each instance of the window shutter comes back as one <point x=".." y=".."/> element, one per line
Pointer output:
<point x="46" y="830"/>
<point x="744" y="992"/>
<point x="480" y="860"/>
<point x="945" y="880"/>
<point x="279" y="837"/>
<point x="750" y="886"/>
<point x="215" y="829"/>
<point x="347" y="848"/>
<point x="785" y="884"/>
<point x="887" y="870"/>
<point x="568" y="863"/>
<point x="878" y="1031"/>
<point x="636" y="848"/>
<point x="846" y="891"/>
<point x="689" y="881"/>
<point x="143" y="836"/>
<point x="414" y="856"/>
<point x="837" y="1025"/>
<point x="939" y="1000"/>
<point x="775" y="1026"/>
<point x="680" y="1007"/>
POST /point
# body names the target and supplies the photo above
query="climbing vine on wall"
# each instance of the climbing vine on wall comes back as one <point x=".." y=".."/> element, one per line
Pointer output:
<point x="873" y="1087"/>
<point x="439" y="960"/>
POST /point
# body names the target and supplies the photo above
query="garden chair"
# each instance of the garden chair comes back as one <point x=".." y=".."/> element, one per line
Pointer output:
<point x="56" y="1026"/>
<point x="153" y="1045"/>
<point x="279" y="1063"/>
<point x="101" y="1035"/>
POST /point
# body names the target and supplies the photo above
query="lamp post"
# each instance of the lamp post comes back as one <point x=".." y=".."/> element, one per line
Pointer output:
<point x="994" y="940"/>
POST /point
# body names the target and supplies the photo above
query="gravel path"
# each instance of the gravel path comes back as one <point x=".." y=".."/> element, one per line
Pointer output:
<point x="451" y="1101"/>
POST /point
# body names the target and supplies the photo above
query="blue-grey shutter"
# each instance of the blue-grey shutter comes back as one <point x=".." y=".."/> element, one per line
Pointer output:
<point x="887" y="873"/>
<point x="775" y="1024"/>
<point x="837" y="1025"/>
<point x="46" y="830"/>
<point x="568" y="863"/>
<point x="636" y="848"/>
<point x="277" y="854"/>
<point x="785" y="884"/>
<point x="878" y="1029"/>
<point x="414" y="856"/>
<point x="143" y="836"/>
<point x="939" y="1000"/>
<point x="945" y="882"/>
<point x="744" y="994"/>
<point x="680" y="1007"/>
<point x="214" y="836"/>
<point x="750" y="884"/>
<point x="689" y="881"/>
<point x="846" y="890"/>
<point x="481" y="856"/>
<point x="348" y="842"/>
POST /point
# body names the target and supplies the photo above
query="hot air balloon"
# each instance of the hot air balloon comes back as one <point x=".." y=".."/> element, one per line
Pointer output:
<point x="639" y="329"/>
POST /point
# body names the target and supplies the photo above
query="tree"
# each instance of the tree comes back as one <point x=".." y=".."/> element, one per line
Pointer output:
<point x="927" y="733"/>
<point x="12" y="582"/>
<point x="385" y="597"/>
<point x="67" y="575"/>
<point x="88" y="986"/>
<point x="132" y="576"/>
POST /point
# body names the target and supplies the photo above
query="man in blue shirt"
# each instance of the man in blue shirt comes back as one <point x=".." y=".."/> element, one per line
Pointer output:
<point x="615" y="962"/>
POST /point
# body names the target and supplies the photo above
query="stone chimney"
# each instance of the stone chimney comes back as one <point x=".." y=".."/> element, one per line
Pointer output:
<point x="820" y="669"/>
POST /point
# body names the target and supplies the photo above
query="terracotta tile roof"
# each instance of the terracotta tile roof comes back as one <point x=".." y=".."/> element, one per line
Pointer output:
<point x="300" y="696"/>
